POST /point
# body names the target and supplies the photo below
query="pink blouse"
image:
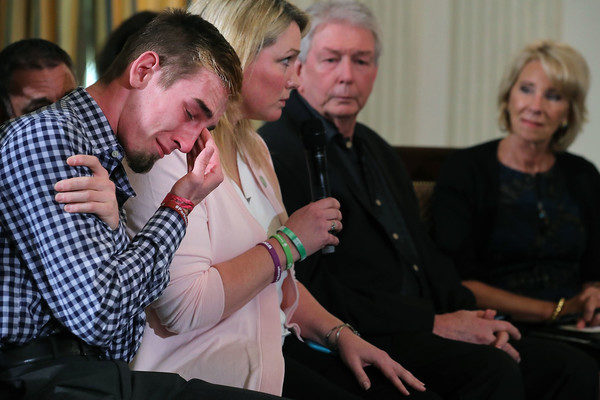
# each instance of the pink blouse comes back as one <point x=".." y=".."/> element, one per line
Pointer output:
<point x="184" y="333"/>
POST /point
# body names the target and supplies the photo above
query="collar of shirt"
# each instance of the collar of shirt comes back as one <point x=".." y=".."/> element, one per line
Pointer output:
<point x="331" y="131"/>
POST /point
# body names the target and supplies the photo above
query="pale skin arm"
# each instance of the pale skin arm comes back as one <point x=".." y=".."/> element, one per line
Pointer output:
<point x="534" y="310"/>
<point x="247" y="274"/>
<point x="356" y="353"/>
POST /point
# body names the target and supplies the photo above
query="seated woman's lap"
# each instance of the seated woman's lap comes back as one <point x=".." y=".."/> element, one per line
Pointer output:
<point x="310" y="374"/>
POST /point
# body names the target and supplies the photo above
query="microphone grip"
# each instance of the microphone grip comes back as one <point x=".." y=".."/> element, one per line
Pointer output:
<point x="319" y="183"/>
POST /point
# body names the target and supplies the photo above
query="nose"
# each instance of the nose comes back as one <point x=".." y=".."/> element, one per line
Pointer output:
<point x="536" y="103"/>
<point x="293" y="80"/>
<point x="345" y="70"/>
<point x="185" y="143"/>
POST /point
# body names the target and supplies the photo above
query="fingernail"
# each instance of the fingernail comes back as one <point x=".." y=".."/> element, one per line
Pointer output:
<point x="365" y="385"/>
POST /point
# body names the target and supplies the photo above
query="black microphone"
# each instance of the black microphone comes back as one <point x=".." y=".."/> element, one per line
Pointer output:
<point x="313" y="138"/>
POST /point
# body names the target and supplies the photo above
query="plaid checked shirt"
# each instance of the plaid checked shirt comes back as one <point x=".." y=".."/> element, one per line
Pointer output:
<point x="62" y="271"/>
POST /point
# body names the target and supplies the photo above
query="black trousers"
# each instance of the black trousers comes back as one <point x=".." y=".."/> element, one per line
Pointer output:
<point x="458" y="370"/>
<point x="87" y="378"/>
<point x="313" y="375"/>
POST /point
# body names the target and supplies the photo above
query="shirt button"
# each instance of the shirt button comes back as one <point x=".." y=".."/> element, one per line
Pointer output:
<point x="378" y="202"/>
<point x="416" y="267"/>
<point x="115" y="154"/>
<point x="395" y="236"/>
<point x="348" y="144"/>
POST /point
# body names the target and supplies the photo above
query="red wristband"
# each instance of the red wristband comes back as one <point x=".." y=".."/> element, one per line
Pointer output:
<point x="179" y="204"/>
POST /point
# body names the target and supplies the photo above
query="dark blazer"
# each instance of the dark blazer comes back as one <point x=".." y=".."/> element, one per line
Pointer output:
<point x="466" y="200"/>
<point x="351" y="282"/>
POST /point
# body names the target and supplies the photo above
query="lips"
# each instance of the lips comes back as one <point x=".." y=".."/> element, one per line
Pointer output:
<point x="531" y="123"/>
<point x="344" y="98"/>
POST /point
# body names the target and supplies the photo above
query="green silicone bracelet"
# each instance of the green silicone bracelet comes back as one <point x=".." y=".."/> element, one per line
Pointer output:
<point x="286" y="249"/>
<point x="295" y="240"/>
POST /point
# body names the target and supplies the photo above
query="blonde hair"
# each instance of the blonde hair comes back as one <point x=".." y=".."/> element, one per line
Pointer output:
<point x="567" y="69"/>
<point x="249" y="26"/>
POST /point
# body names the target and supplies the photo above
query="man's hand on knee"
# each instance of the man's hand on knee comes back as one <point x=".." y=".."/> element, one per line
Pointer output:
<point x="477" y="327"/>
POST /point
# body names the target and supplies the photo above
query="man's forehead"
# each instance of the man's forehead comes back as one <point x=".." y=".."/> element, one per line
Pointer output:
<point x="340" y="33"/>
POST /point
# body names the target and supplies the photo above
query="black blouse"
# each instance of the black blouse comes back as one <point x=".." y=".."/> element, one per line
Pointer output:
<point x="537" y="239"/>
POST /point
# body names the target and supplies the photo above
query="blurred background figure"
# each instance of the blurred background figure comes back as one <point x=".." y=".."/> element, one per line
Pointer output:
<point x="116" y="40"/>
<point x="519" y="215"/>
<point x="33" y="73"/>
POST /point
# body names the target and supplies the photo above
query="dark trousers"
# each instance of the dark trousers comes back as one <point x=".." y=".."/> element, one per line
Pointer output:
<point x="87" y="378"/>
<point x="557" y="370"/>
<point x="458" y="370"/>
<point x="313" y="375"/>
<point x="467" y="371"/>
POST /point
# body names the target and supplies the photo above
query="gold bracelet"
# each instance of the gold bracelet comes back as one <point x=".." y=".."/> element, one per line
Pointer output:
<point x="558" y="309"/>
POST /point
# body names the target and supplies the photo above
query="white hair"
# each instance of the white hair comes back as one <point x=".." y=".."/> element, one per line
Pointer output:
<point x="350" y="12"/>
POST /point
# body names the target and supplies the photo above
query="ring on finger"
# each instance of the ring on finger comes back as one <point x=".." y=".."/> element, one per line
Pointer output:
<point x="332" y="227"/>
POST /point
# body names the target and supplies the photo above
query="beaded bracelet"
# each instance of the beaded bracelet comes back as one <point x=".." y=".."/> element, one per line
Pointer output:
<point x="286" y="249"/>
<point x="179" y="204"/>
<point x="275" y="257"/>
<point x="299" y="246"/>
<point x="558" y="309"/>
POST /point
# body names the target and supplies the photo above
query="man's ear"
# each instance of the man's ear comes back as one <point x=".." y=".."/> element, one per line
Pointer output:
<point x="142" y="69"/>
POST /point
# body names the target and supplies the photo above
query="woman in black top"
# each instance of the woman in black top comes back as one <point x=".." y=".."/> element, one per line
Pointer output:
<point x="519" y="215"/>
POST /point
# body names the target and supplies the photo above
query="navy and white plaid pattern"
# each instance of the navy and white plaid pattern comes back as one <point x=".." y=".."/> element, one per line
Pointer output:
<point x="62" y="271"/>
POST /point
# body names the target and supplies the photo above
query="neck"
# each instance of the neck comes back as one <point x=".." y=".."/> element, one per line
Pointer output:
<point x="525" y="156"/>
<point x="345" y="125"/>
<point x="110" y="98"/>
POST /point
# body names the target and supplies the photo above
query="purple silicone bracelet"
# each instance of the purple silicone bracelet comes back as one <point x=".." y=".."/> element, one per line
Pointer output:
<point x="275" y="257"/>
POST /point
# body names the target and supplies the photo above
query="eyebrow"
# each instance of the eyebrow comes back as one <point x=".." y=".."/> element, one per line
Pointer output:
<point x="357" y="53"/>
<point x="207" y="111"/>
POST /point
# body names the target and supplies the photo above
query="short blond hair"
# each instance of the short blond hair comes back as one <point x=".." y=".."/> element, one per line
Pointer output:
<point x="567" y="69"/>
<point x="249" y="26"/>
